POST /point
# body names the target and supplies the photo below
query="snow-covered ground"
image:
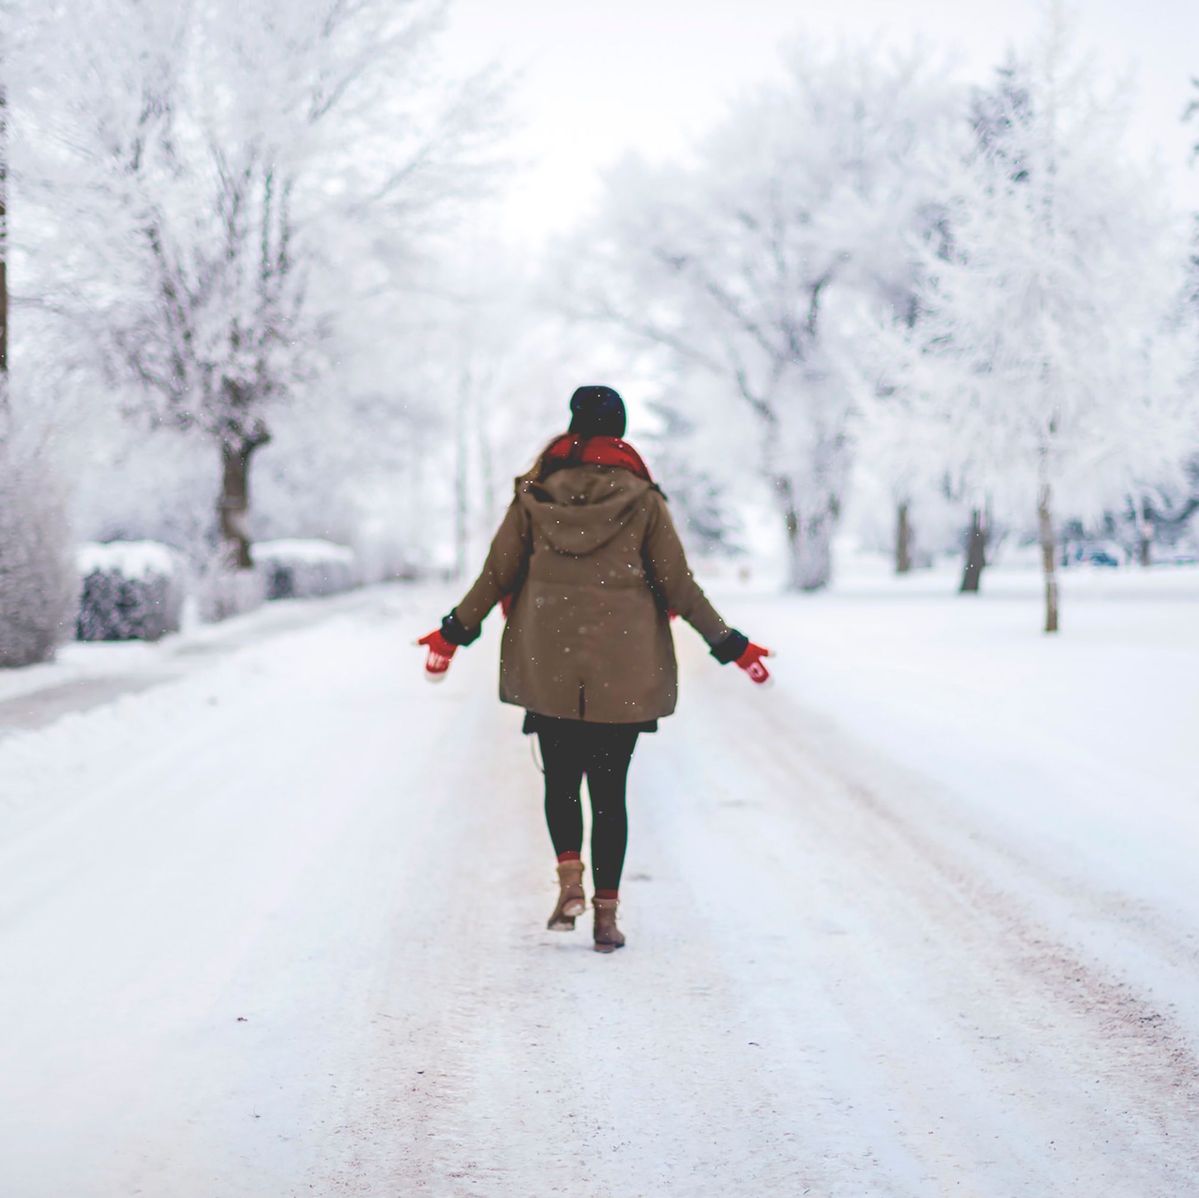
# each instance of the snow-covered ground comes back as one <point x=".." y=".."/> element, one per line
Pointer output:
<point x="920" y="920"/>
<point x="1081" y="751"/>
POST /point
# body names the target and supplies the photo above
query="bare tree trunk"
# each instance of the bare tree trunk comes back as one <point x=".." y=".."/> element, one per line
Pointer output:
<point x="415" y="514"/>
<point x="1144" y="536"/>
<point x="813" y="564"/>
<point x="791" y="528"/>
<point x="903" y="539"/>
<point x="786" y="498"/>
<point x="233" y="509"/>
<point x="1048" y="555"/>
<point x="976" y="553"/>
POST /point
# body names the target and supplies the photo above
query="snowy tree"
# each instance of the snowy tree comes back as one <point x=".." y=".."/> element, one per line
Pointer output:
<point x="700" y="499"/>
<point x="233" y="179"/>
<point x="1158" y="514"/>
<point x="1192" y="113"/>
<point x="3" y="238"/>
<point x="38" y="584"/>
<point x="4" y="154"/>
<point x="503" y="363"/>
<point x="906" y="455"/>
<point x="904" y="445"/>
<point x="37" y="581"/>
<point x="1047" y="347"/>
<point x="749" y="264"/>
<point x="903" y="459"/>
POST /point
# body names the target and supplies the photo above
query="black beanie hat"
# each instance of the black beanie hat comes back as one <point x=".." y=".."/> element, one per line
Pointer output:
<point x="597" y="412"/>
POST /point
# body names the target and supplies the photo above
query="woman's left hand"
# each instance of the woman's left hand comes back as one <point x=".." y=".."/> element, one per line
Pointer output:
<point x="751" y="662"/>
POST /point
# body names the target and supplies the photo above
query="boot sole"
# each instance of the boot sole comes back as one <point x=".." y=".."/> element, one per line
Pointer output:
<point x="563" y="920"/>
<point x="607" y="948"/>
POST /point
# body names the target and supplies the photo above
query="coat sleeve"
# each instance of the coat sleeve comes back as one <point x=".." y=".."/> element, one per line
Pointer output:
<point x="502" y="572"/>
<point x="672" y="580"/>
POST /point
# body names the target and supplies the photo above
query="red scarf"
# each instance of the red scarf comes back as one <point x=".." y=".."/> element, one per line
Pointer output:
<point x="598" y="451"/>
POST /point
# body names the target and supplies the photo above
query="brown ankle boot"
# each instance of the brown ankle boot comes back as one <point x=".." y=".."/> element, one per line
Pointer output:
<point x="608" y="937"/>
<point x="571" y="899"/>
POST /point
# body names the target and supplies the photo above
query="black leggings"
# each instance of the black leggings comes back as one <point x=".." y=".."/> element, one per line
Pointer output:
<point x="602" y="752"/>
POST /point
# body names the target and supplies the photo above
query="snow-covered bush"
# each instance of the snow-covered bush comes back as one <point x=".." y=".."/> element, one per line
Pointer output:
<point x="222" y="593"/>
<point x="37" y="580"/>
<point x="302" y="569"/>
<point x="132" y="591"/>
<point x="381" y="560"/>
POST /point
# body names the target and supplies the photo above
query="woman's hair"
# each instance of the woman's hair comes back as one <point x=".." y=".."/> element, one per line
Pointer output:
<point x="543" y="465"/>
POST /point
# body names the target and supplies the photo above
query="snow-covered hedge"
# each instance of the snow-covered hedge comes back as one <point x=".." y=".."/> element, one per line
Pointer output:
<point x="132" y="591"/>
<point x="302" y="569"/>
<point x="381" y="559"/>
<point x="222" y="593"/>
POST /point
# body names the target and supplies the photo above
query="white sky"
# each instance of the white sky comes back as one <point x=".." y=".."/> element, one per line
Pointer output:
<point x="650" y="75"/>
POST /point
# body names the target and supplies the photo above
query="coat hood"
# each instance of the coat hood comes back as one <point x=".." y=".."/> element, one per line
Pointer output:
<point x="581" y="508"/>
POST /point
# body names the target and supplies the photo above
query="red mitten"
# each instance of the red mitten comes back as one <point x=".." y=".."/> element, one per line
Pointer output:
<point x="506" y="604"/>
<point x="751" y="662"/>
<point x="440" y="653"/>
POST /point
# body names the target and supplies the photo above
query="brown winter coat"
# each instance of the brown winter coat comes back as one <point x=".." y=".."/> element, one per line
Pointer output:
<point x="595" y="563"/>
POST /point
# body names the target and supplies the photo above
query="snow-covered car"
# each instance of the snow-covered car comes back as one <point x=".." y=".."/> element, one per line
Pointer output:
<point x="1096" y="555"/>
<point x="1175" y="557"/>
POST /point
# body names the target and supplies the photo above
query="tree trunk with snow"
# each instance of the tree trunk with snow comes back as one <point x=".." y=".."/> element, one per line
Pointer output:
<point x="38" y="586"/>
<point x="976" y="553"/>
<point x="1145" y="532"/>
<point x="1048" y="555"/>
<point x="808" y="539"/>
<point x="461" y="467"/>
<point x="812" y="560"/>
<point x="234" y="506"/>
<point x="903" y="539"/>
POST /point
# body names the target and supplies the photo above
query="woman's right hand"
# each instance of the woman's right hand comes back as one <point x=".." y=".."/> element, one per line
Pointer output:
<point x="440" y="653"/>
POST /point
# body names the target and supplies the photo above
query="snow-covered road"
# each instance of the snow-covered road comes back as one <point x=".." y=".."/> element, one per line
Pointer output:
<point x="275" y="927"/>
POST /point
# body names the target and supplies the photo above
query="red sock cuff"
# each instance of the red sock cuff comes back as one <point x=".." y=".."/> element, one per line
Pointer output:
<point x="569" y="857"/>
<point x="607" y="894"/>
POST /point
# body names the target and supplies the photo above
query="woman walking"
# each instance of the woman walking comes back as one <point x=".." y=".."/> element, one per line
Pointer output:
<point x="589" y="569"/>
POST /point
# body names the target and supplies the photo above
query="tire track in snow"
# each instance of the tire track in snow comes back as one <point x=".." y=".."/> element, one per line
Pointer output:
<point x="937" y="875"/>
<point x="1164" y="1053"/>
